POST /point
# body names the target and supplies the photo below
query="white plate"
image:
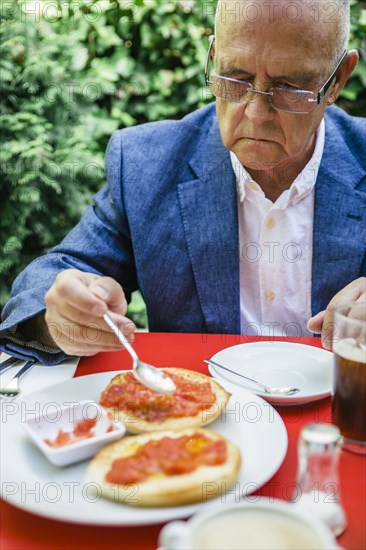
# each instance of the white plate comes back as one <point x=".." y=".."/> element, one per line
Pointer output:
<point x="40" y="376"/>
<point x="29" y="481"/>
<point x="278" y="364"/>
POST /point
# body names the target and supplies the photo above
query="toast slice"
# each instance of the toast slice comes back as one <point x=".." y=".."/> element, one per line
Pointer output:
<point x="165" y="468"/>
<point x="199" y="400"/>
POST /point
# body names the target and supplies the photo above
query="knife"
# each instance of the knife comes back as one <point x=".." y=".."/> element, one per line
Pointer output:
<point x="5" y="365"/>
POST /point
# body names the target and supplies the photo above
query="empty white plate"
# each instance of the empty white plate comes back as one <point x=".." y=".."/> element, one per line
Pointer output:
<point x="279" y="364"/>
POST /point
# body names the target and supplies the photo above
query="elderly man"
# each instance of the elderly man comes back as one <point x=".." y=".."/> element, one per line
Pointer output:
<point x="248" y="218"/>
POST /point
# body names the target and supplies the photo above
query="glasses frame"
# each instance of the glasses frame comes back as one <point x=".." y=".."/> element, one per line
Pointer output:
<point x="319" y="96"/>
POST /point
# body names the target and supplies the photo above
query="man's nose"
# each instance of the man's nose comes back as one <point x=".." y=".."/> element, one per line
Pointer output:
<point x="258" y="105"/>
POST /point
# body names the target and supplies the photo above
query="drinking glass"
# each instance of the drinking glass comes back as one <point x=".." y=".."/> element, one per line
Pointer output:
<point x="349" y="400"/>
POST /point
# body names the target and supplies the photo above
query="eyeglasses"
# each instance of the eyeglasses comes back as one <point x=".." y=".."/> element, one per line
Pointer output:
<point x="281" y="99"/>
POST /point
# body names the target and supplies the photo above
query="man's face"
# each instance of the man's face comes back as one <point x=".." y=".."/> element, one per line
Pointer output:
<point x="281" y="53"/>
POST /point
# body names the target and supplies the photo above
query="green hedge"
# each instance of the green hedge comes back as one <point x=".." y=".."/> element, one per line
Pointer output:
<point x="73" y="73"/>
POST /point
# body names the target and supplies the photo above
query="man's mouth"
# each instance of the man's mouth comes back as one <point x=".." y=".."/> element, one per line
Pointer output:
<point x="257" y="138"/>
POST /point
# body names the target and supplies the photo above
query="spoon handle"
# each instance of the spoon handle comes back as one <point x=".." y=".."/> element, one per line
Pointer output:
<point x="214" y="364"/>
<point x="121" y="337"/>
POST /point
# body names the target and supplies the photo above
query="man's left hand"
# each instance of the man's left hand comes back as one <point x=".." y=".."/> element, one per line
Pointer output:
<point x="322" y="322"/>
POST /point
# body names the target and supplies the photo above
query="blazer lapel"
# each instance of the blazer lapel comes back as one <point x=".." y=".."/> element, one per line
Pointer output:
<point x="208" y="207"/>
<point x="339" y="220"/>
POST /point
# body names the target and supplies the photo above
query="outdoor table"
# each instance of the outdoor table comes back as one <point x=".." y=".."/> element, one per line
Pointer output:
<point x="21" y="530"/>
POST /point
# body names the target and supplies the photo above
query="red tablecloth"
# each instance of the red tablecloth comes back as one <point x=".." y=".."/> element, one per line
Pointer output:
<point x="24" y="531"/>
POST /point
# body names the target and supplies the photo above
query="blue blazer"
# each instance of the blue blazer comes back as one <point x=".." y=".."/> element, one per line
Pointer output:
<point x="166" y="223"/>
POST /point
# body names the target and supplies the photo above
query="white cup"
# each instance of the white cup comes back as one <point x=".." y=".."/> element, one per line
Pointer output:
<point x="271" y="524"/>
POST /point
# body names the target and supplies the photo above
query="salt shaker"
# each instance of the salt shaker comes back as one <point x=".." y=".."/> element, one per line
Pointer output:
<point x="317" y="487"/>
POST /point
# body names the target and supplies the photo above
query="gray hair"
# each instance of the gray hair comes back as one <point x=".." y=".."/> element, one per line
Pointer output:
<point x="337" y="11"/>
<point x="344" y="11"/>
<point x="344" y="26"/>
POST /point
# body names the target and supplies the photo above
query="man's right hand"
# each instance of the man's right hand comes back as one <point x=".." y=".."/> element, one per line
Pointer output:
<point x="76" y="303"/>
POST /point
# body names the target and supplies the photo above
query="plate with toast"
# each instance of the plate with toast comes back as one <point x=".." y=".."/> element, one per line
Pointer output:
<point x="209" y="441"/>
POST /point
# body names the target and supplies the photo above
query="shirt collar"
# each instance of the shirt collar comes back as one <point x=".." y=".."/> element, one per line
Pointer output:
<point x="300" y="187"/>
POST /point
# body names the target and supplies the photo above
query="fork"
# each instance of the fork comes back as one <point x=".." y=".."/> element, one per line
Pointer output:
<point x="12" y="389"/>
<point x="8" y="363"/>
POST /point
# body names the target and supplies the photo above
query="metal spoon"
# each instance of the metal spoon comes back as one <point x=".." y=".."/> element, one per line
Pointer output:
<point x="283" y="391"/>
<point x="151" y="377"/>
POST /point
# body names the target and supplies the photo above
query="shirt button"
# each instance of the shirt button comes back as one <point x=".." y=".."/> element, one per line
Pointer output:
<point x="269" y="295"/>
<point x="254" y="186"/>
<point x="270" y="223"/>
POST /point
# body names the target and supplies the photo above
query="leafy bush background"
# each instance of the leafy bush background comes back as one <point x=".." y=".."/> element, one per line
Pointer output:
<point x="73" y="72"/>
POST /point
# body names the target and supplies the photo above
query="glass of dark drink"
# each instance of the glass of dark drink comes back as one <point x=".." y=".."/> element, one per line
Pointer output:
<point x="349" y="400"/>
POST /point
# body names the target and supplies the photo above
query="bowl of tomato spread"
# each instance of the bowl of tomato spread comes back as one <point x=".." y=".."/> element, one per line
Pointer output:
<point x="74" y="432"/>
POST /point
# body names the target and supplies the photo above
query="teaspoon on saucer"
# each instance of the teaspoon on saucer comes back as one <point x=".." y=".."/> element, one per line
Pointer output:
<point x="151" y="377"/>
<point x="282" y="391"/>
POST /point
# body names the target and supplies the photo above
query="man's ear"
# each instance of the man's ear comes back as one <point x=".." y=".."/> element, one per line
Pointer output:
<point x="343" y="73"/>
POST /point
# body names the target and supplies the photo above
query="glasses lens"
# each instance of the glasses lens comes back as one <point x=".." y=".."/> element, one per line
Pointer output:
<point x="293" y="101"/>
<point x="229" y="90"/>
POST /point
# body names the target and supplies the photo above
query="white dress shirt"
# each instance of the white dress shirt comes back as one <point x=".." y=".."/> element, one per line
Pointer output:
<point x="276" y="242"/>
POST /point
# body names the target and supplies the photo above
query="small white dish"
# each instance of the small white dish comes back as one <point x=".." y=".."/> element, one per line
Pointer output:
<point x="72" y="433"/>
<point x="278" y="364"/>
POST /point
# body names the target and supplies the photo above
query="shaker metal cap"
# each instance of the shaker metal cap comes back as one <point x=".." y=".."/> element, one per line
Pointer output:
<point x="321" y="436"/>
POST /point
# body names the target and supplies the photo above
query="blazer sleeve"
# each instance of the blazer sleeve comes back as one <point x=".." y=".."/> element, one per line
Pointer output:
<point x="100" y="243"/>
